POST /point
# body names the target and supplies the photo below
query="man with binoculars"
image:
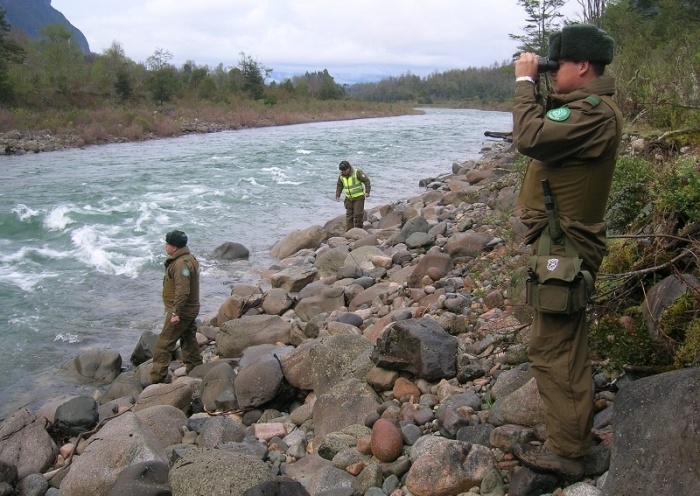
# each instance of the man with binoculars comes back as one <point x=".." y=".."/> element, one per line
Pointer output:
<point x="572" y="138"/>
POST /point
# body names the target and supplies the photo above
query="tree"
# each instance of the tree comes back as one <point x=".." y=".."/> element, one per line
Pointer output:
<point x="542" y="19"/>
<point x="10" y="53"/>
<point x="162" y="82"/>
<point x="111" y="72"/>
<point x="593" y="11"/>
<point x="158" y="60"/>
<point x="123" y="86"/>
<point x="254" y="76"/>
<point x="61" y="57"/>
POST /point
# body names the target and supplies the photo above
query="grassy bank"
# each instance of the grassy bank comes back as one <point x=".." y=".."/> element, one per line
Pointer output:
<point x="108" y="124"/>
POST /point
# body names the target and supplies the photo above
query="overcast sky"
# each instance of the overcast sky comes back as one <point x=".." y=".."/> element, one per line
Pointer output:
<point x="351" y="38"/>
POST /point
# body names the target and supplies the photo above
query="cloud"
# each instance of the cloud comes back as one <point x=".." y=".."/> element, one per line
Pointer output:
<point x="389" y="37"/>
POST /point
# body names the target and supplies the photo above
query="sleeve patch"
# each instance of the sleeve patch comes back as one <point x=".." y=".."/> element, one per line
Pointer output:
<point x="559" y="114"/>
<point x="186" y="272"/>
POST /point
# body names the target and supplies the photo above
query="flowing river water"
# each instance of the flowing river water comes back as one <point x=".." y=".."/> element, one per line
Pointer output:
<point x="81" y="231"/>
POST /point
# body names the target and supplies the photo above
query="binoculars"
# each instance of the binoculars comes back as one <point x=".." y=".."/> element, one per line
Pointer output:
<point x="544" y="64"/>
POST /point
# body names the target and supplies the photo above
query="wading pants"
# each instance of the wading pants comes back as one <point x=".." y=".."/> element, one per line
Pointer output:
<point x="354" y="212"/>
<point x="166" y="344"/>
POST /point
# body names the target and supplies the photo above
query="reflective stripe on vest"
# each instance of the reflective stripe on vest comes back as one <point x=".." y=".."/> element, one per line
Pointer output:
<point x="353" y="187"/>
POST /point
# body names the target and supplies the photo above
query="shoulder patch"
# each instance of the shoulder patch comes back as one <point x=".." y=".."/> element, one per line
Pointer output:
<point x="559" y="114"/>
<point x="186" y="272"/>
<point x="593" y="100"/>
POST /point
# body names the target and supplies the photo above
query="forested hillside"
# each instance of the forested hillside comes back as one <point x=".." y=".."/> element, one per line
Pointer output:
<point x="31" y="16"/>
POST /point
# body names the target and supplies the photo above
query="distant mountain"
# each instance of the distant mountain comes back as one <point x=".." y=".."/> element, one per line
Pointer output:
<point x="30" y="16"/>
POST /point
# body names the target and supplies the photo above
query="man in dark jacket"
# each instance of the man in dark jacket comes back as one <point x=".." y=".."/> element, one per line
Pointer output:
<point x="572" y="139"/>
<point x="356" y="186"/>
<point x="181" y="300"/>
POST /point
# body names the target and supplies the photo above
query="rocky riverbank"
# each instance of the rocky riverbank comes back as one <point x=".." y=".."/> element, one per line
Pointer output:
<point x="389" y="360"/>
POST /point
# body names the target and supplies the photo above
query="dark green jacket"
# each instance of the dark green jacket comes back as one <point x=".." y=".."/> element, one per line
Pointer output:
<point x="577" y="154"/>
<point x="181" y="283"/>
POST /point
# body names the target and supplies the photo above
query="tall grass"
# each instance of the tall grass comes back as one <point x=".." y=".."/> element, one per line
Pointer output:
<point x="136" y="123"/>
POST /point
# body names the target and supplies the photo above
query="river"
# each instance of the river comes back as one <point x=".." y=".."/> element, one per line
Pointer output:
<point x="81" y="231"/>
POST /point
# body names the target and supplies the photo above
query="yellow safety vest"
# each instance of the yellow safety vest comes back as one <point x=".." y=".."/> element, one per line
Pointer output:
<point x="353" y="187"/>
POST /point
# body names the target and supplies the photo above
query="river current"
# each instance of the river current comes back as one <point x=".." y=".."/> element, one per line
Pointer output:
<point x="81" y="231"/>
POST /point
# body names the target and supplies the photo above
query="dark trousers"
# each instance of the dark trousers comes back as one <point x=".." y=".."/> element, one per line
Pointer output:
<point x="186" y="332"/>
<point x="561" y="366"/>
<point x="354" y="212"/>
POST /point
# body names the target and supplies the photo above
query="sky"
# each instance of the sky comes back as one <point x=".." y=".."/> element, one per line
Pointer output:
<point x="354" y="39"/>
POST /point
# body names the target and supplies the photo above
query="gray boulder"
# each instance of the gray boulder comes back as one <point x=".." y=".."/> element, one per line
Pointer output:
<point x="434" y="264"/>
<point x="413" y="225"/>
<point x="278" y="487"/>
<point x="336" y="358"/>
<point x="258" y="382"/>
<point x="231" y="251"/>
<point x="329" y="261"/>
<point x="123" y="441"/>
<point x="100" y="365"/>
<point x="166" y="422"/>
<point x="209" y="471"/>
<point x="219" y="430"/>
<point x="328" y="300"/>
<point x="311" y="237"/>
<point x="143" y="351"/>
<point x="75" y="416"/>
<point x="345" y="404"/>
<point x="217" y="388"/>
<point x="523" y="407"/>
<point x="125" y="385"/>
<point x="293" y="278"/>
<point x="238" y="334"/>
<point x="664" y="408"/>
<point x="362" y="257"/>
<point x="178" y="394"/>
<point x="25" y="444"/>
<point x="420" y="346"/>
<point x="467" y="244"/>
<point x="142" y="479"/>
<point x="277" y="301"/>
<point x="660" y="297"/>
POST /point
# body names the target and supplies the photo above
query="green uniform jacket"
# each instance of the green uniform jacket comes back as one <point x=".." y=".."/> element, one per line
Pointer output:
<point x="181" y="284"/>
<point x="577" y="153"/>
<point x="361" y="176"/>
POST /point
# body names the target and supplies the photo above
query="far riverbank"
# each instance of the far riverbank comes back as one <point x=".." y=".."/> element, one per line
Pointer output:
<point x="23" y="131"/>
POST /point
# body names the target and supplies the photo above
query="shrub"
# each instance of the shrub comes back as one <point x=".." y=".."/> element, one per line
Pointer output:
<point x="688" y="354"/>
<point x="629" y="192"/>
<point x="678" y="189"/>
<point x="612" y="341"/>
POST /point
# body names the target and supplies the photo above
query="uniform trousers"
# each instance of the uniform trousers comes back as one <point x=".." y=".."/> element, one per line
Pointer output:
<point x="354" y="212"/>
<point x="561" y="365"/>
<point x="186" y="332"/>
<point x="562" y="368"/>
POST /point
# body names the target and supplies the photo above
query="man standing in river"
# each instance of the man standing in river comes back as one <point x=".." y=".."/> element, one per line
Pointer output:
<point x="356" y="185"/>
<point x="181" y="300"/>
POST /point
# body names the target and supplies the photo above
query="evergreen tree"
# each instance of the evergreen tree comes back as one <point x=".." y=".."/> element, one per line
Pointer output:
<point x="10" y="52"/>
<point x="543" y="18"/>
<point x="123" y="86"/>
